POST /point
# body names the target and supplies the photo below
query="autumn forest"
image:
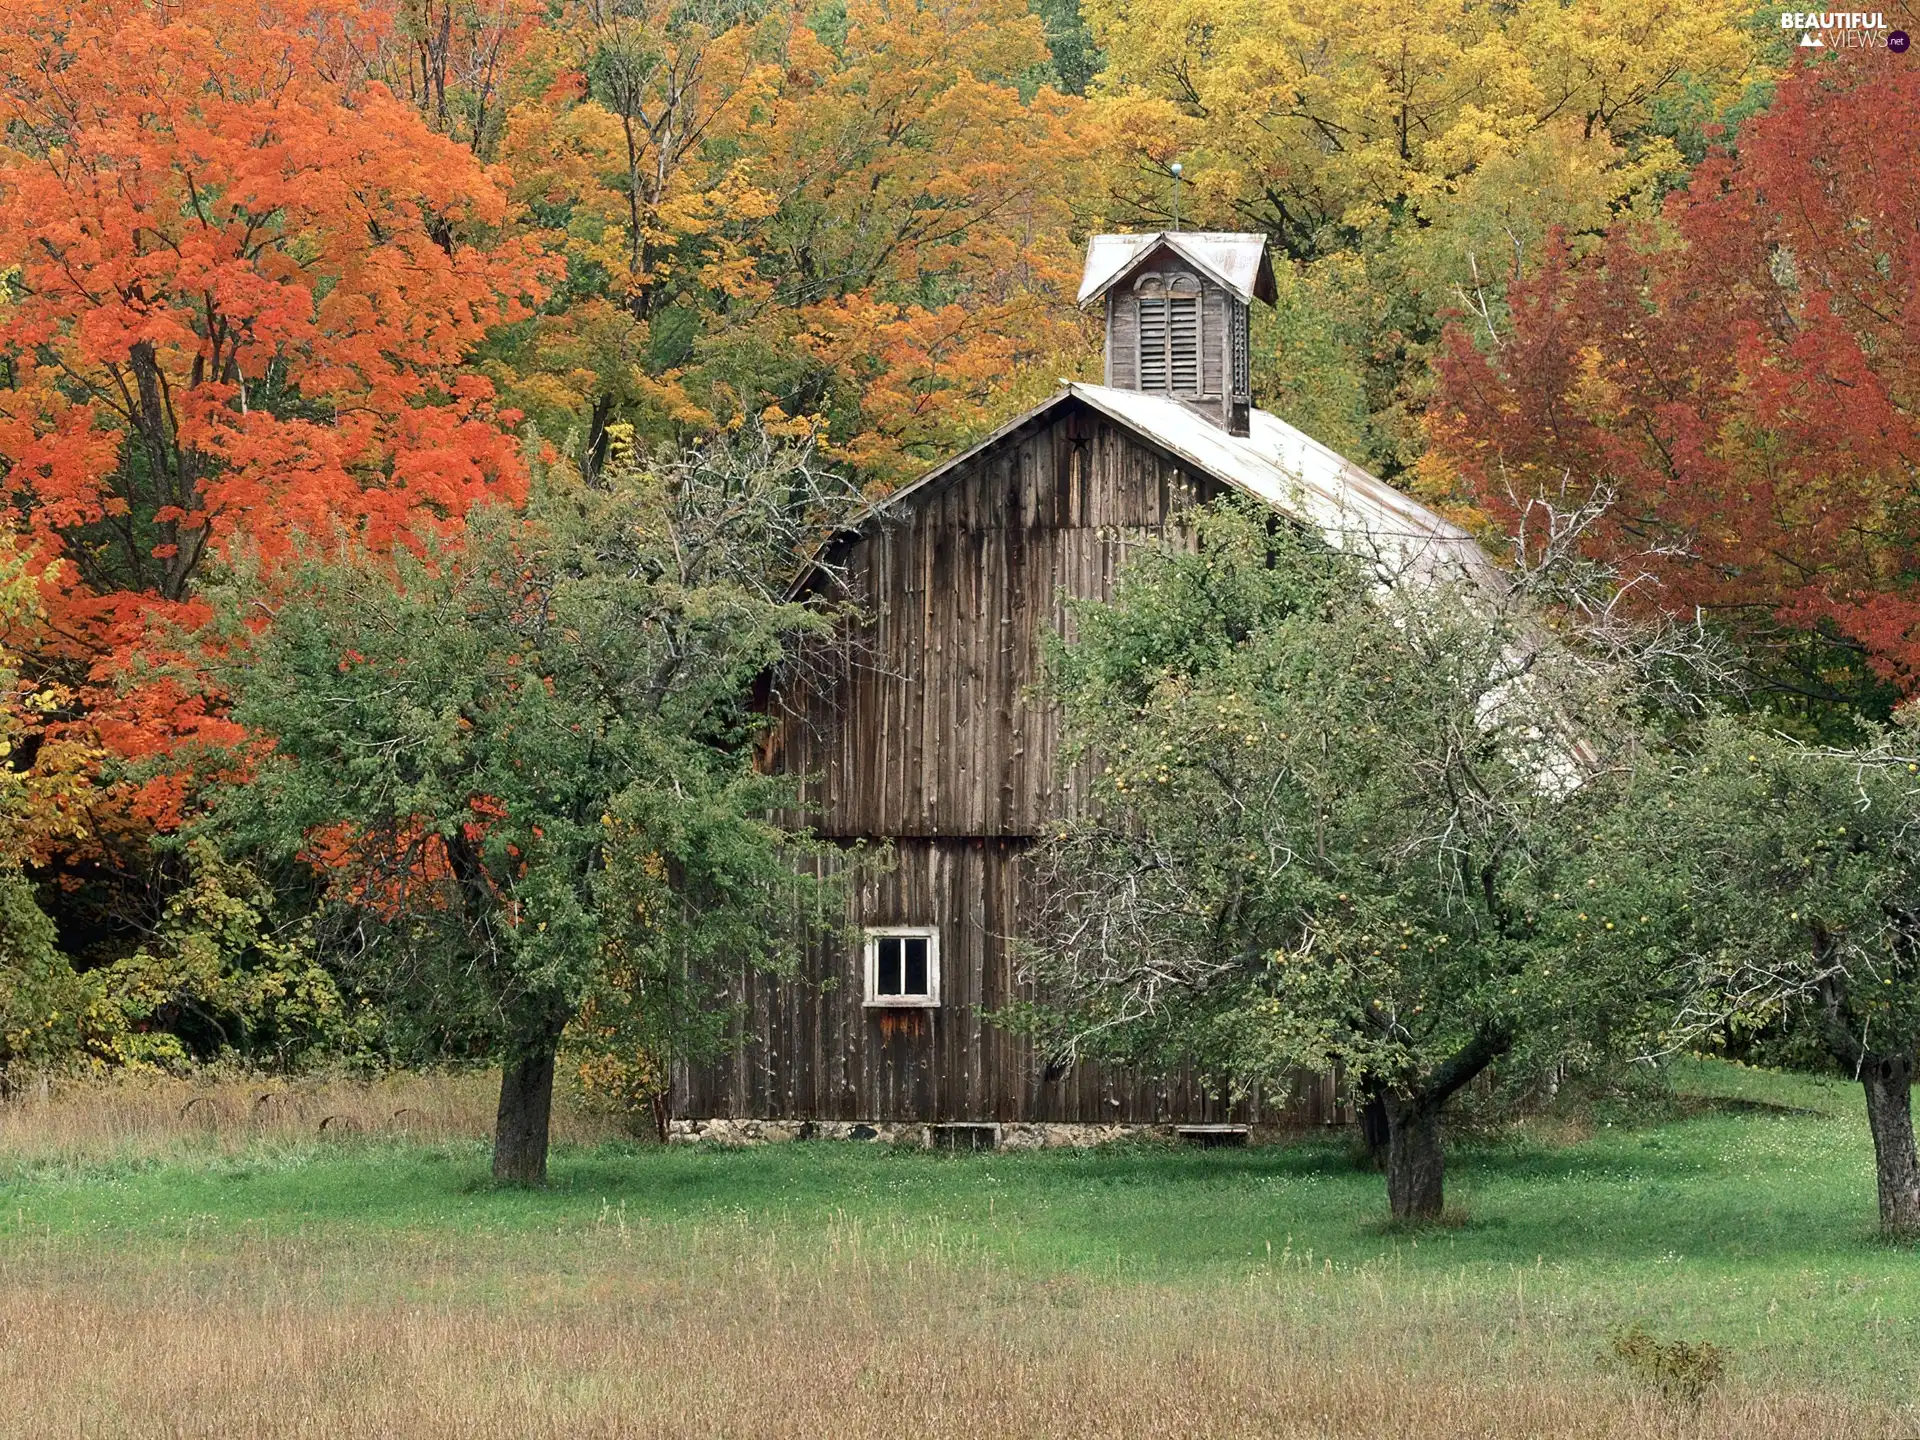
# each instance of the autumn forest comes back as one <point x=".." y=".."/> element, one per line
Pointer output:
<point x="290" y="283"/>
<point x="417" y="421"/>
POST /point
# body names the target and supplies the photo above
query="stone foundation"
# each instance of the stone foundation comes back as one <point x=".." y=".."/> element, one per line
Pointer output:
<point x="773" y="1132"/>
<point x="917" y="1135"/>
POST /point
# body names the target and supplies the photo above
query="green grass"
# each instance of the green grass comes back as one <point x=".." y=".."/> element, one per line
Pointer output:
<point x="1746" y="1220"/>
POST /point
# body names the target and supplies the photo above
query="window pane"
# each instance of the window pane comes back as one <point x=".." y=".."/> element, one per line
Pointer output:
<point x="887" y="950"/>
<point x="916" y="980"/>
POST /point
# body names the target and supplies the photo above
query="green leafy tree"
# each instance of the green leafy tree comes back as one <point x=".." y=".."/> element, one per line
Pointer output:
<point x="522" y="764"/>
<point x="43" y="1003"/>
<point x="1324" y="808"/>
<point x="229" y="972"/>
<point x="1765" y="878"/>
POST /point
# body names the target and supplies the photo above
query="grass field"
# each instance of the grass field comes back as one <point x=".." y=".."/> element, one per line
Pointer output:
<point x="235" y="1271"/>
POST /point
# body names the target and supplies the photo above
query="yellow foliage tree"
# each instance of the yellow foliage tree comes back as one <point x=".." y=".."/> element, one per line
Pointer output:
<point x="1435" y="141"/>
<point x="48" y="778"/>
<point x="856" y="221"/>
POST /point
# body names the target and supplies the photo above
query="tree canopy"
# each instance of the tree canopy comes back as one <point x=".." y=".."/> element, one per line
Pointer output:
<point x="1409" y="157"/>
<point x="1755" y="880"/>
<point x="1741" y="378"/>
<point x="520" y="768"/>
<point x="1327" y="817"/>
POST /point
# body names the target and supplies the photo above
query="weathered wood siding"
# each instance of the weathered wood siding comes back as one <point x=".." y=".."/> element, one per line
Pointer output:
<point x="917" y="725"/>
<point x="1216" y="343"/>
<point x="919" y="721"/>
<point x="1123" y="339"/>
<point x="810" y="1050"/>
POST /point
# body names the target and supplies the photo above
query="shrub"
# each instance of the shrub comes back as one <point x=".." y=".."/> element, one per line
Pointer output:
<point x="1678" y="1368"/>
<point x="224" y="978"/>
<point x="44" y="1004"/>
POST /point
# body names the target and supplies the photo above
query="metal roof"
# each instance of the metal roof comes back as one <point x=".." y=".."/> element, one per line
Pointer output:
<point x="1239" y="262"/>
<point x="1299" y="476"/>
<point x="1280" y="465"/>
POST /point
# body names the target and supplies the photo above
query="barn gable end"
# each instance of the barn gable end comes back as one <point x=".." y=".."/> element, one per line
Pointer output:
<point x="917" y="721"/>
<point x="916" y="726"/>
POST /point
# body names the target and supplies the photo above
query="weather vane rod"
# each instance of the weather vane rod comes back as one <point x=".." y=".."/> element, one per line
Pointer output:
<point x="1175" y="168"/>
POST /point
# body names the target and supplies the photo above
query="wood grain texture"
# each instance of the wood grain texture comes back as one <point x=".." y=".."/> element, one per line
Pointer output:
<point x="918" y="727"/>
<point x="808" y="1048"/>
<point x="920" y="720"/>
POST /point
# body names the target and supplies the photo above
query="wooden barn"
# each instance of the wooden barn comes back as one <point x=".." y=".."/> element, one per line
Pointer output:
<point x="916" y="727"/>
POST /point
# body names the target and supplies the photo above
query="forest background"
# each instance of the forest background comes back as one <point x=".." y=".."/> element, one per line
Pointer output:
<point x="283" y="270"/>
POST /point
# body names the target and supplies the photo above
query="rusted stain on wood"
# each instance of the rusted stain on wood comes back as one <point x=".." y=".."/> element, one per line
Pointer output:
<point x="902" y="1024"/>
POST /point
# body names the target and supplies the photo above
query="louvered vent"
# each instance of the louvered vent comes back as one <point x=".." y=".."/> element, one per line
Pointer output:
<point x="1153" y="342"/>
<point x="1184" y="343"/>
<point x="1242" y="381"/>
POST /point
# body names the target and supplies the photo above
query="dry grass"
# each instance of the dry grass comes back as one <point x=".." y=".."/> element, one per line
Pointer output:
<point x="151" y="1117"/>
<point x="632" y="1331"/>
<point x="313" y="1305"/>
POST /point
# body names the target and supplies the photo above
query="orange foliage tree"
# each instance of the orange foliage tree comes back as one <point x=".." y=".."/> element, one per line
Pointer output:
<point x="858" y="222"/>
<point x="242" y="286"/>
<point x="1747" y="384"/>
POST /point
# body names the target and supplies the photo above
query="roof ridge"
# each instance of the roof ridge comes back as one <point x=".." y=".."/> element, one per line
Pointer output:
<point x="1347" y="505"/>
<point x="1114" y="255"/>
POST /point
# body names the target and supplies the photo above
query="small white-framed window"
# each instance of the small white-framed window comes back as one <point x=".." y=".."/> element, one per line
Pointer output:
<point x="903" y="966"/>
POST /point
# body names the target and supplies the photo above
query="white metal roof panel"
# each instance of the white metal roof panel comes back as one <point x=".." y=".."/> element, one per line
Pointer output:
<point x="1298" y="475"/>
<point x="1238" y="262"/>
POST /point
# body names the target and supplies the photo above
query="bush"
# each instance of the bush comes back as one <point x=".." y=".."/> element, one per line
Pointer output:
<point x="1685" y="1371"/>
<point x="223" y="979"/>
<point x="44" y="1005"/>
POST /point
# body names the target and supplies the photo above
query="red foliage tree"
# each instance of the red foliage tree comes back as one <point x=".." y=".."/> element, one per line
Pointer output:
<point x="1747" y="382"/>
<point x="242" y="286"/>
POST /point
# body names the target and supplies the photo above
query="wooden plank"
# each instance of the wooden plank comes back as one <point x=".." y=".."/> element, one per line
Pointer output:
<point x="1216" y="342"/>
<point x="917" y="726"/>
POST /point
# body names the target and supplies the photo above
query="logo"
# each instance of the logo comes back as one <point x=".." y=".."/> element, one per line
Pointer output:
<point x="1843" y="30"/>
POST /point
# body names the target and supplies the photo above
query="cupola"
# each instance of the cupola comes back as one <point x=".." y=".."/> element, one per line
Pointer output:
<point x="1177" y="315"/>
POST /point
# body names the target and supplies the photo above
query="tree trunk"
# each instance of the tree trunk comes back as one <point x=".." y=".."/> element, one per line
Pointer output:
<point x="662" y="1116"/>
<point x="525" y="1115"/>
<point x="1416" y="1164"/>
<point x="1887" y="1077"/>
<point x="1888" y="1081"/>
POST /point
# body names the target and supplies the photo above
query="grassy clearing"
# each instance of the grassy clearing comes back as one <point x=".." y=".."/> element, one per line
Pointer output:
<point x="142" y="1118"/>
<point x="171" y="1280"/>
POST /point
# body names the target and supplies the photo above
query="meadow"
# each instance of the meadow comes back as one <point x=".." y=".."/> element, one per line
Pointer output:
<point x="199" y="1261"/>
